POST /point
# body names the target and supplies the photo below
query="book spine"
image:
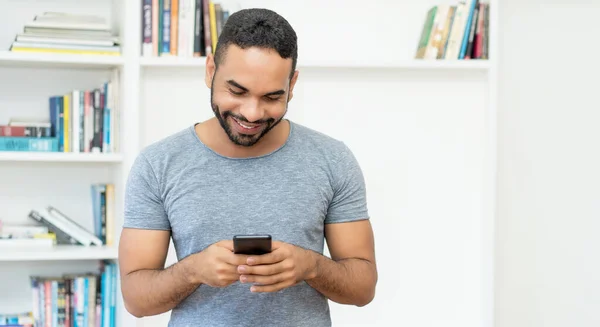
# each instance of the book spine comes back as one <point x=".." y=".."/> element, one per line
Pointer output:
<point x="75" y="125"/>
<point x="81" y="136"/>
<point x="106" y="121"/>
<point x="174" y="27"/>
<point x="198" y="30"/>
<point x="155" y="27"/>
<point x="469" y="51"/>
<point x="147" y="34"/>
<point x="97" y="118"/>
<point x="61" y="123"/>
<point x="466" y="34"/>
<point x="48" y="303"/>
<point x="67" y="122"/>
<point x="166" y="22"/>
<point x="27" y="144"/>
<point x="213" y="25"/>
<point x="207" y="35"/>
<point x="89" y="121"/>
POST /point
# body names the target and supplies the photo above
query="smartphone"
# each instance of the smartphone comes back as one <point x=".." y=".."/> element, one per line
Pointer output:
<point x="252" y="244"/>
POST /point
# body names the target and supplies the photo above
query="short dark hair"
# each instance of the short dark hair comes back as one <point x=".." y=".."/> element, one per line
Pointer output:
<point x="257" y="27"/>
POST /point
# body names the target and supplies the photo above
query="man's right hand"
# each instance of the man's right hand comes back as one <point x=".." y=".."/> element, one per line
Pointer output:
<point x="216" y="266"/>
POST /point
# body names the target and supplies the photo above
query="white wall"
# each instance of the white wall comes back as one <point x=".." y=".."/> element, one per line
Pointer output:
<point x="418" y="134"/>
<point x="548" y="272"/>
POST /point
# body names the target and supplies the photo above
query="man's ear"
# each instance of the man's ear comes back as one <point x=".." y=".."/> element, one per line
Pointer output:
<point x="292" y="83"/>
<point x="210" y="70"/>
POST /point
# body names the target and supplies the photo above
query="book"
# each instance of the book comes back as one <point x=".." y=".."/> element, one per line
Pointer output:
<point x="68" y="33"/>
<point x="457" y="31"/>
<point x="182" y="28"/>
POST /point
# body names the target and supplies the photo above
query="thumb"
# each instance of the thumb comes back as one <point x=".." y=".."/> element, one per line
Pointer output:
<point x="276" y="245"/>
<point x="227" y="244"/>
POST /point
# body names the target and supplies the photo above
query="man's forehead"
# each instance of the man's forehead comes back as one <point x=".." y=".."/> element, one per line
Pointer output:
<point x="255" y="64"/>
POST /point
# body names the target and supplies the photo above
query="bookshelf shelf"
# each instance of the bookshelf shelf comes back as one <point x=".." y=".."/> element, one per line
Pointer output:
<point x="479" y="65"/>
<point x="403" y="64"/>
<point x="173" y="61"/>
<point x="59" y="252"/>
<point x="25" y="59"/>
<point x="61" y="157"/>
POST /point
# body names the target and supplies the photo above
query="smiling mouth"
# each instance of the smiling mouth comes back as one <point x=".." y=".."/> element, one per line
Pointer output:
<point x="246" y="126"/>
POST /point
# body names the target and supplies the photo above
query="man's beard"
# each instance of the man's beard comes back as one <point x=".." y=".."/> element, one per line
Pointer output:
<point x="242" y="139"/>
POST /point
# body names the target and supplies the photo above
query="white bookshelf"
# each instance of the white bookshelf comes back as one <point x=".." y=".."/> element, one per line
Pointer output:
<point x="444" y="112"/>
<point x="173" y="62"/>
<point x="463" y="65"/>
<point x="27" y="59"/>
<point x="60" y="157"/>
<point x="58" y="253"/>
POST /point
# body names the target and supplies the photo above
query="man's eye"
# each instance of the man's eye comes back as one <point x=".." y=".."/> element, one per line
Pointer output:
<point x="236" y="93"/>
<point x="273" y="99"/>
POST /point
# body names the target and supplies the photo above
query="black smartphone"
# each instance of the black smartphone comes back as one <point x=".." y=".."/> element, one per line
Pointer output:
<point x="252" y="244"/>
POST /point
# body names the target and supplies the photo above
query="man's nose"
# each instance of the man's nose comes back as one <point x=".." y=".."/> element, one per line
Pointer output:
<point x="251" y="110"/>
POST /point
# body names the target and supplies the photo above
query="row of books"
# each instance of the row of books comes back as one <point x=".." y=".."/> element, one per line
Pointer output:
<point x="62" y="32"/>
<point x="183" y="28"/>
<point x="55" y="227"/>
<point x="78" y="121"/>
<point x="75" y="300"/>
<point x="458" y="32"/>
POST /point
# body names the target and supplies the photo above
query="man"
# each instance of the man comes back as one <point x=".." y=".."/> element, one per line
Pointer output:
<point x="247" y="171"/>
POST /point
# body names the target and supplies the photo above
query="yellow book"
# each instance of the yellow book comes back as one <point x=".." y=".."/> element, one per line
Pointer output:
<point x="213" y="25"/>
<point x="67" y="51"/>
<point x="66" y="122"/>
<point x="49" y="235"/>
<point x="110" y="214"/>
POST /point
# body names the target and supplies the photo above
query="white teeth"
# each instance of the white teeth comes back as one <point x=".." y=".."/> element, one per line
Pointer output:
<point x="244" y="126"/>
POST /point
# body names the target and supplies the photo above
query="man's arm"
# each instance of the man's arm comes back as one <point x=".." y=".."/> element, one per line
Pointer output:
<point x="148" y="288"/>
<point x="350" y="276"/>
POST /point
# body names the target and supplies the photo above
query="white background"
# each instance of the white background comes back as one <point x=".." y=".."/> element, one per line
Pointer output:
<point x="421" y="138"/>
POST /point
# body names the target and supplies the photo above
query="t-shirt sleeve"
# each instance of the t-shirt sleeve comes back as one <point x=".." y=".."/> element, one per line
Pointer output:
<point x="349" y="202"/>
<point x="144" y="207"/>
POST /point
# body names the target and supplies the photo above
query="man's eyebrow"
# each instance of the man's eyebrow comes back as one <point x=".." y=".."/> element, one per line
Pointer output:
<point x="278" y="92"/>
<point x="236" y="84"/>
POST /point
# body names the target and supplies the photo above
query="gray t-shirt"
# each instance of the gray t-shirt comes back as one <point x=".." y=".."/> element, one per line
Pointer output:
<point x="181" y="185"/>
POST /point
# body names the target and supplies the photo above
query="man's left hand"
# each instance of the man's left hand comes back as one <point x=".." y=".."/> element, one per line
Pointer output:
<point x="285" y="266"/>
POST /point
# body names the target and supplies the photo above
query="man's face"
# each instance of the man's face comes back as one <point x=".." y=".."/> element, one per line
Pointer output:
<point x="250" y="92"/>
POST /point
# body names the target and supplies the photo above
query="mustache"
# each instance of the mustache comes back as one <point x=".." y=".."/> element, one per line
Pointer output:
<point x="244" y="120"/>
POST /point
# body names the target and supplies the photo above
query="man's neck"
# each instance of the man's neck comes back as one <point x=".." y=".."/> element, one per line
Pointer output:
<point x="213" y="136"/>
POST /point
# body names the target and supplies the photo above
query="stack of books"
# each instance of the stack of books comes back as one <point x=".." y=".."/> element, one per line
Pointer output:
<point x="54" y="227"/>
<point x="79" y="121"/>
<point x="25" y="236"/>
<point x="68" y="33"/>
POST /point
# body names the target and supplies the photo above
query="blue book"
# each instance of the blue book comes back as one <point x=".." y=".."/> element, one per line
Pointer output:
<point x="166" y="31"/>
<point x="465" y="41"/>
<point x="28" y="144"/>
